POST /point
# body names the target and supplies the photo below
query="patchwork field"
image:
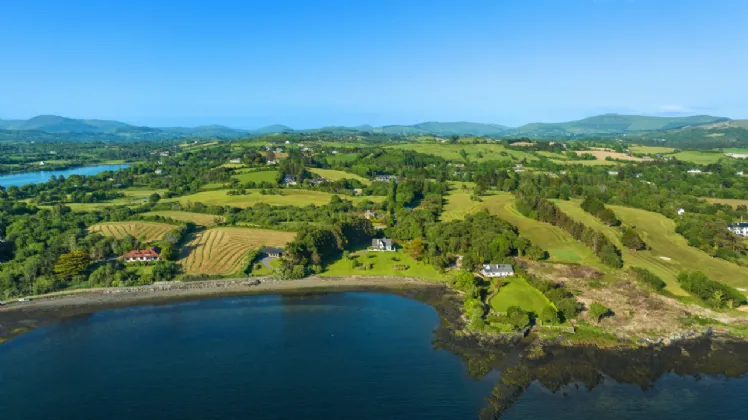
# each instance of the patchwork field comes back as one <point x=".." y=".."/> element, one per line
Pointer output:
<point x="152" y="231"/>
<point x="254" y="176"/>
<point x="293" y="197"/>
<point x="199" y="219"/>
<point x="334" y="175"/>
<point x="223" y="251"/>
<point x="517" y="292"/>
<point x="475" y="152"/>
<point x="382" y="265"/>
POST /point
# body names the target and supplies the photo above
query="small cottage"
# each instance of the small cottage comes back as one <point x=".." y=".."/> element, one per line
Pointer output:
<point x="382" y="245"/>
<point x="141" y="255"/>
<point x="272" y="252"/>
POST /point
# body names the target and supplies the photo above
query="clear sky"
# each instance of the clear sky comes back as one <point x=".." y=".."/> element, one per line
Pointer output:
<point x="348" y="62"/>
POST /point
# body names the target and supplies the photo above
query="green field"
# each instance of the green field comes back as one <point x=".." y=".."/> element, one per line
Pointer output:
<point x="200" y="219"/>
<point x="651" y="149"/>
<point x="649" y="259"/>
<point x="264" y="271"/>
<point x="333" y="175"/>
<point x="731" y="201"/>
<point x="382" y="265"/>
<point x="700" y="158"/>
<point x="343" y="157"/>
<point x="254" y="176"/>
<point x="659" y="232"/>
<point x="452" y="151"/>
<point x="290" y="196"/>
<point x="149" y="231"/>
<point x="517" y="292"/>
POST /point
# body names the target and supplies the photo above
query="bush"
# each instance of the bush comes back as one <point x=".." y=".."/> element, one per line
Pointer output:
<point x="713" y="293"/>
<point x="598" y="311"/>
<point x="649" y="278"/>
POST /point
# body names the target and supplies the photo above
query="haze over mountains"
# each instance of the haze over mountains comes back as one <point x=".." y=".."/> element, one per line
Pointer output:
<point x="47" y="127"/>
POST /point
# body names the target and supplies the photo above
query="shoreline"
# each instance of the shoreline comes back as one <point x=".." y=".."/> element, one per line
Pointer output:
<point x="17" y="318"/>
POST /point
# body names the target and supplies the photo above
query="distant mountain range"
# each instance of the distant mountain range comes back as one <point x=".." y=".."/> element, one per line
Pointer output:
<point x="50" y="127"/>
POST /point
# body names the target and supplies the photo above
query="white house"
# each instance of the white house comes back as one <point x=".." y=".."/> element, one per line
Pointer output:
<point x="382" y="245"/>
<point x="740" y="229"/>
<point x="144" y="255"/>
<point x="681" y="212"/>
<point x="235" y="161"/>
<point x="158" y="171"/>
<point x="272" y="162"/>
<point x="289" y="180"/>
<point x="386" y="178"/>
<point x="694" y="171"/>
<point x="497" y="270"/>
<point x="41" y="163"/>
<point x="612" y="172"/>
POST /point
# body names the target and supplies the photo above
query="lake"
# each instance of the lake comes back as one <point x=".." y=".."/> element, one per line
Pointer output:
<point x="43" y="176"/>
<point x="339" y="356"/>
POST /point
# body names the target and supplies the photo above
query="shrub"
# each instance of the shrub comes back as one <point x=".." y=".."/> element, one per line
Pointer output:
<point x="598" y="311"/>
<point x="647" y="277"/>
<point x="713" y="293"/>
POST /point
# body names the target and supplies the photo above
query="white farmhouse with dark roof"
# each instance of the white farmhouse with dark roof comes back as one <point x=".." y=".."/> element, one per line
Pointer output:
<point x="385" y="178"/>
<point x="497" y="270"/>
<point x="382" y="245"/>
<point x="740" y="229"/>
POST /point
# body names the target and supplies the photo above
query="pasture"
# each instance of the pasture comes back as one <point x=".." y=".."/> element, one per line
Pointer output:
<point x="200" y="219"/>
<point x="289" y="197"/>
<point x="652" y="150"/>
<point x="224" y="250"/>
<point x="150" y="231"/>
<point x="256" y="176"/>
<point x="475" y="152"/>
<point x="383" y="264"/>
<point x="517" y="292"/>
<point x="333" y="175"/>
<point x="699" y="157"/>
<point x="729" y="201"/>
<point x="659" y="232"/>
<point x="602" y="154"/>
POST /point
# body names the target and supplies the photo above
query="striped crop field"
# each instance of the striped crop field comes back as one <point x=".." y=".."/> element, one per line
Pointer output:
<point x="151" y="231"/>
<point x="224" y="250"/>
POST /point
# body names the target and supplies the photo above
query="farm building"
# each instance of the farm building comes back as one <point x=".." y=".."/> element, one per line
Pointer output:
<point x="385" y="178"/>
<point x="289" y="180"/>
<point x="382" y="245"/>
<point x="681" y="212"/>
<point x="235" y="161"/>
<point x="497" y="270"/>
<point x="740" y="229"/>
<point x="141" y="255"/>
<point x="272" y="252"/>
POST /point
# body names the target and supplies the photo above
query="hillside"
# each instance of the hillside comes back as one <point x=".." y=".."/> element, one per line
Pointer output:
<point x="613" y="124"/>
<point x="52" y="127"/>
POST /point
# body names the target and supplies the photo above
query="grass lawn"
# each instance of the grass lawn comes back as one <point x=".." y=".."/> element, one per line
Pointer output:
<point x="334" y="175"/>
<point x="293" y="197"/>
<point x="200" y="219"/>
<point x="382" y="263"/>
<point x="700" y="158"/>
<point x="452" y="151"/>
<point x="263" y="176"/>
<point x="264" y="271"/>
<point x="735" y="150"/>
<point x="342" y="157"/>
<point x="659" y="232"/>
<point x="517" y="292"/>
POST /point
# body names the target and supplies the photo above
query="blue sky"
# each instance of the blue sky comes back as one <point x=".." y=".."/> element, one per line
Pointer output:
<point x="314" y="63"/>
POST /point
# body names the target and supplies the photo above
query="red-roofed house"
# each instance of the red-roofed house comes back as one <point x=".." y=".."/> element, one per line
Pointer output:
<point x="141" y="255"/>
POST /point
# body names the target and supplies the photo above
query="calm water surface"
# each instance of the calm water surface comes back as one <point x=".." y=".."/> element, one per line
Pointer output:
<point x="327" y="356"/>
<point x="43" y="176"/>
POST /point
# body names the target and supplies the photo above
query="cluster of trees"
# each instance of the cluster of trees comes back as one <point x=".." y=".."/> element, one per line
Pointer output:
<point x="716" y="294"/>
<point x="596" y="207"/>
<point x="647" y="277"/>
<point x="534" y="206"/>
<point x="315" y="245"/>
<point x="712" y="236"/>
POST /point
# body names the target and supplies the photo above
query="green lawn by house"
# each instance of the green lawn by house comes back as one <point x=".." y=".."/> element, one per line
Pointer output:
<point x="517" y="292"/>
<point x="383" y="264"/>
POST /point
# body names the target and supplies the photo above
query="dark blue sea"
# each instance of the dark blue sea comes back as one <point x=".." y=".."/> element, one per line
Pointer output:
<point x="325" y="356"/>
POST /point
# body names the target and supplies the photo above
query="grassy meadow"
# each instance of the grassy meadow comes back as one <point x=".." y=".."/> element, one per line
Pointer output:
<point x="452" y="151"/>
<point x="292" y="197"/>
<point x="334" y="175"/>
<point x="256" y="176"/>
<point x="730" y="201"/>
<point x="200" y="219"/>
